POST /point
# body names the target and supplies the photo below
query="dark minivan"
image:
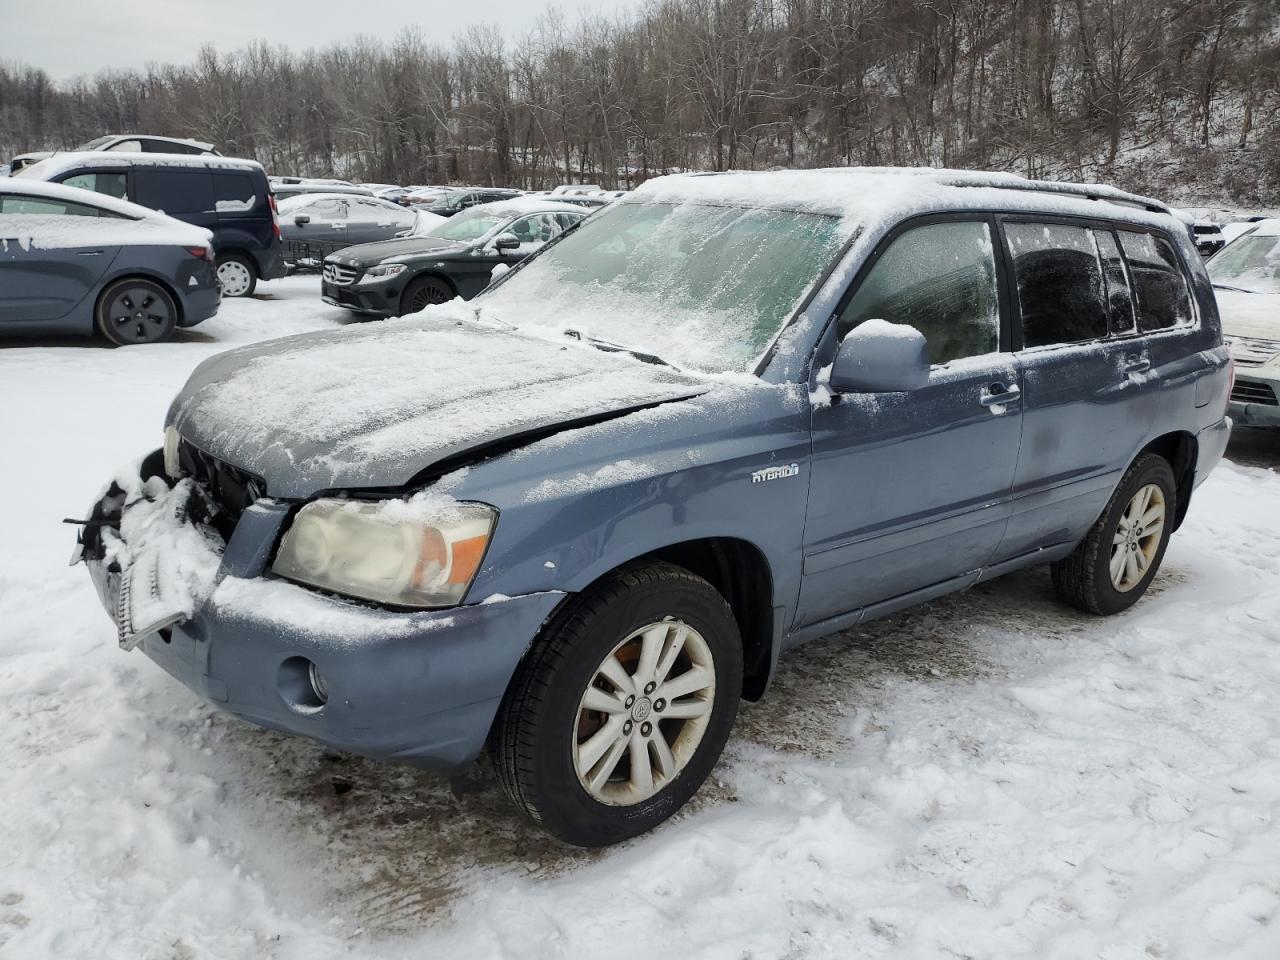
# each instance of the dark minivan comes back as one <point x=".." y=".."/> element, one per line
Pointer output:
<point x="229" y="197"/>
<point x="578" y="518"/>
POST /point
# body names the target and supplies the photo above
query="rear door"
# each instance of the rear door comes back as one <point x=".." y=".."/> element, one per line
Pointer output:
<point x="1088" y="398"/>
<point x="911" y="490"/>
<point x="371" y="220"/>
<point x="53" y="254"/>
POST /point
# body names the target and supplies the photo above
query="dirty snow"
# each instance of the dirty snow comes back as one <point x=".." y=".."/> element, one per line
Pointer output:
<point x="991" y="776"/>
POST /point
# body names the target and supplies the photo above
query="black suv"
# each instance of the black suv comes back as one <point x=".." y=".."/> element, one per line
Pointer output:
<point x="458" y="200"/>
<point x="229" y="197"/>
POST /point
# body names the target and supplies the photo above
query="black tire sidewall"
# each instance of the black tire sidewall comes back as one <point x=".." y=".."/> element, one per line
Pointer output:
<point x="109" y="293"/>
<point x="567" y="810"/>
<point x="1154" y="470"/>
<point x="246" y="263"/>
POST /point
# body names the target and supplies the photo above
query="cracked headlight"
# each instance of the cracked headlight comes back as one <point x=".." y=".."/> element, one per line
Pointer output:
<point x="390" y="556"/>
<point x="383" y="271"/>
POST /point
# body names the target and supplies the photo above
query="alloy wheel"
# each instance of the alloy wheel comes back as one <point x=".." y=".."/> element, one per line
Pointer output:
<point x="1137" y="537"/>
<point x="138" y="315"/>
<point x="643" y="714"/>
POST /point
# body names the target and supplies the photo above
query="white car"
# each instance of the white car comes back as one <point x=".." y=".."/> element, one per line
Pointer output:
<point x="1246" y="281"/>
<point x="123" y="143"/>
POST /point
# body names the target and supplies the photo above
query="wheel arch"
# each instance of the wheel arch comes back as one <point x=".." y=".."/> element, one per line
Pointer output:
<point x="1179" y="448"/>
<point x="428" y="274"/>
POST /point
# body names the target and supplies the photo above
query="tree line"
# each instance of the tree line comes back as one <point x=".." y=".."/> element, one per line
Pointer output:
<point x="1144" y="93"/>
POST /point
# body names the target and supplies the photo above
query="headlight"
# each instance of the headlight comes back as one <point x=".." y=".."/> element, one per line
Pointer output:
<point x="383" y="271"/>
<point x="364" y="550"/>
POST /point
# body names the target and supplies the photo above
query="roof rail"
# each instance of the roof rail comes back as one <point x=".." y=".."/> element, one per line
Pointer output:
<point x="1012" y="181"/>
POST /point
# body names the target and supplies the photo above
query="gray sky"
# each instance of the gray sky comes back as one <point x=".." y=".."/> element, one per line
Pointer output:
<point x="70" y="37"/>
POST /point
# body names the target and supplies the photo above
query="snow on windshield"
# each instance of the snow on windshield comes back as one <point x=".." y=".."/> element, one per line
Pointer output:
<point x="704" y="287"/>
<point x="1250" y="263"/>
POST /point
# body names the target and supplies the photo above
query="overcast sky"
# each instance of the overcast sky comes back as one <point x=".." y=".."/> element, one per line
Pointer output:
<point x="70" y="37"/>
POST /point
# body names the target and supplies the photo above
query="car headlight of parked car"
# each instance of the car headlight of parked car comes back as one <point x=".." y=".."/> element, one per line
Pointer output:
<point x="364" y="550"/>
<point x="383" y="271"/>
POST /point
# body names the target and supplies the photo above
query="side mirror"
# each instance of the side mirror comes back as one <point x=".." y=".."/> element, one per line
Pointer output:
<point x="506" y="241"/>
<point x="302" y="219"/>
<point x="881" y="357"/>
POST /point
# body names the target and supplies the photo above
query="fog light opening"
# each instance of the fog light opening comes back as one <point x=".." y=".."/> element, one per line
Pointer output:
<point x="301" y="685"/>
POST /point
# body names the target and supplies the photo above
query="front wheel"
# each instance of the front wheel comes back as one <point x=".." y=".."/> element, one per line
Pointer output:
<point x="236" y="274"/>
<point x="424" y="292"/>
<point x="623" y="708"/>
<point x="1113" y="566"/>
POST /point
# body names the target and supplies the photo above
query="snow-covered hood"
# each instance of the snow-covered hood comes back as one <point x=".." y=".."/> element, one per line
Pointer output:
<point x="1254" y="315"/>
<point x="375" y="405"/>
<point x="402" y="250"/>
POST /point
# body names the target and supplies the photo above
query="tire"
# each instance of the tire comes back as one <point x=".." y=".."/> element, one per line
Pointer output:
<point x="1086" y="578"/>
<point x="237" y="274"/>
<point x="548" y="729"/>
<point x="134" y="310"/>
<point x="424" y="292"/>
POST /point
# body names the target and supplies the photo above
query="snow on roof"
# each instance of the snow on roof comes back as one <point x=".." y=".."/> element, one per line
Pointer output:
<point x="518" y="206"/>
<point x="61" y="163"/>
<point x="868" y="194"/>
<point x="145" y="227"/>
<point x="1266" y="228"/>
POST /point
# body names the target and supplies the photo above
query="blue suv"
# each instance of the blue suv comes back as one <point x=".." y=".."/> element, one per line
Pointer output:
<point x="578" y="518"/>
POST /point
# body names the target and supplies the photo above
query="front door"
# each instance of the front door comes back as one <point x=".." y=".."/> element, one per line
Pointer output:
<point x="908" y="490"/>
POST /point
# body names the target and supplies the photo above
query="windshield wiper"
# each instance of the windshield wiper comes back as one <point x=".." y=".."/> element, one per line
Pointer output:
<point x="610" y="347"/>
<point x="1227" y="286"/>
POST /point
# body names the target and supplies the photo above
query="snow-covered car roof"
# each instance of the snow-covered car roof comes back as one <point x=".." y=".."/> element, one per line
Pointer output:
<point x="870" y="194"/>
<point x="144" y="225"/>
<point x="301" y="199"/>
<point x="519" y="206"/>
<point x="1266" y="228"/>
<point x="61" y="163"/>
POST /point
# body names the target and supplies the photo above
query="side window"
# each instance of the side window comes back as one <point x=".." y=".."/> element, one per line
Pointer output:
<point x="328" y="209"/>
<point x="1060" y="287"/>
<point x="174" y="191"/>
<point x="14" y="203"/>
<point x="112" y="184"/>
<point x="941" y="279"/>
<point x="126" y="146"/>
<point x="234" y="193"/>
<point x="567" y="220"/>
<point x="537" y="229"/>
<point x="1158" y="284"/>
<point x="1119" y="299"/>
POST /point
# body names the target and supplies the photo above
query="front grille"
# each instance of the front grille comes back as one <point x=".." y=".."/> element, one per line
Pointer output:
<point x="1249" y="391"/>
<point x="231" y="489"/>
<point x="1252" y="352"/>
<point x="340" y="274"/>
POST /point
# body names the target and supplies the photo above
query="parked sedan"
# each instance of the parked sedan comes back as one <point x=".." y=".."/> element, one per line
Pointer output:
<point x="455" y="259"/>
<point x="339" y="218"/>
<point x="74" y="261"/>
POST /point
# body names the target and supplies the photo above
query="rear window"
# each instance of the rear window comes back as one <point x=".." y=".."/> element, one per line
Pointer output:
<point x="174" y="191"/>
<point x="1159" y="287"/>
<point x="1060" y="285"/>
<point x="234" y="193"/>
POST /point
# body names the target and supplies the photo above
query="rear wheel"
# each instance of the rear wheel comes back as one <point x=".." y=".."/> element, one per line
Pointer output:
<point x="622" y="709"/>
<point x="236" y="274"/>
<point x="135" y="310"/>
<point x="424" y="292"/>
<point x="1116" y="562"/>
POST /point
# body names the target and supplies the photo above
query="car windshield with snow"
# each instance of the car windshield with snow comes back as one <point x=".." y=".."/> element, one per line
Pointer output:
<point x="577" y="519"/>
<point x="1246" y="279"/>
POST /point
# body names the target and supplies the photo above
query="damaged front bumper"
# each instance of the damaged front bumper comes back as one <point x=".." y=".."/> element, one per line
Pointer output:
<point x="421" y="687"/>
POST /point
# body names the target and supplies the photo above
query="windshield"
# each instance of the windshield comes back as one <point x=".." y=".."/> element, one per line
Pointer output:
<point x="703" y="287"/>
<point x="471" y="225"/>
<point x="1251" y="263"/>
<point x="94" y="144"/>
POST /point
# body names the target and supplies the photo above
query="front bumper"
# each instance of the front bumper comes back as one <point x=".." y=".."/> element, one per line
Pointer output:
<point x="420" y="687"/>
<point x="1256" y="385"/>
<point x="381" y="300"/>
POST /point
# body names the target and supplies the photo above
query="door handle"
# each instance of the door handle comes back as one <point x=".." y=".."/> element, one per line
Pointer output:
<point x="1136" y="364"/>
<point x="997" y="394"/>
<point x="90" y="253"/>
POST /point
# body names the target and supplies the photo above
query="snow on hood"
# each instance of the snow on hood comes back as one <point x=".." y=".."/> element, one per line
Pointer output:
<point x="374" y="405"/>
<point x="1255" y="315"/>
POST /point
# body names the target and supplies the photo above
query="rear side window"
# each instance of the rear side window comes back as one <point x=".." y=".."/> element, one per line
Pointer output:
<point x="112" y="184"/>
<point x="174" y="191"/>
<point x="1158" y="284"/>
<point x="1119" y="301"/>
<point x="234" y="193"/>
<point x="941" y="279"/>
<point x="1060" y="286"/>
<point x="14" y="204"/>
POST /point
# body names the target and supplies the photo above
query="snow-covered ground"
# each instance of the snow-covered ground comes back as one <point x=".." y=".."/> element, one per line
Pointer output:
<point x="992" y="776"/>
